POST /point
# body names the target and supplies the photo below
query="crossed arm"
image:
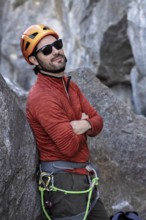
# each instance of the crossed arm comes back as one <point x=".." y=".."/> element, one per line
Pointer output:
<point x="91" y="122"/>
<point x="81" y="126"/>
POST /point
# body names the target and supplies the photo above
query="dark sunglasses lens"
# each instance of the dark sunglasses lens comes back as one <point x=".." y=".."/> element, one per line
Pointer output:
<point x="58" y="44"/>
<point x="47" y="50"/>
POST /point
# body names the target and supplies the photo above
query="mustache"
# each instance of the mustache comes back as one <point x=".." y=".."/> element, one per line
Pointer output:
<point x="59" y="56"/>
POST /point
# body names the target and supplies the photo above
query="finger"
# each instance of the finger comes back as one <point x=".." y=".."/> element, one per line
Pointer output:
<point x="84" y="116"/>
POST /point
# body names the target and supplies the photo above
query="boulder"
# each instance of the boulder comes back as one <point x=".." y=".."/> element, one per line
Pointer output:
<point x="119" y="150"/>
<point x="18" y="93"/>
<point x="116" y="55"/>
<point x="18" y="161"/>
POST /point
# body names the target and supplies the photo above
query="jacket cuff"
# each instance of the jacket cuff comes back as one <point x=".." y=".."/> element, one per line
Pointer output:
<point x="90" y="131"/>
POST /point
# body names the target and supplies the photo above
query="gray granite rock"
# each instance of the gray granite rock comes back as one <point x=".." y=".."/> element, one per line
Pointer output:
<point x="18" y="93"/>
<point x="137" y="36"/>
<point x="18" y="162"/>
<point x="94" y="35"/>
<point x="119" y="150"/>
<point x="138" y="82"/>
<point x="116" y="55"/>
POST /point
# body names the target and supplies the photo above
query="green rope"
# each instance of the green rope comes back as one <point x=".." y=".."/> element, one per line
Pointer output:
<point x="94" y="182"/>
<point x="42" y="202"/>
<point x="54" y="189"/>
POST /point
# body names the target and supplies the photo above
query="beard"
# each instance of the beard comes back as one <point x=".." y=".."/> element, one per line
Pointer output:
<point x="51" y="67"/>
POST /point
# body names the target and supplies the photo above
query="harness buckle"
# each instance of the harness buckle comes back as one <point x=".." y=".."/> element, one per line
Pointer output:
<point x="46" y="181"/>
<point x="92" y="170"/>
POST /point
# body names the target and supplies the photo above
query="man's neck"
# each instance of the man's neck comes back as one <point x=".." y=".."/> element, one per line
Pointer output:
<point x="57" y="75"/>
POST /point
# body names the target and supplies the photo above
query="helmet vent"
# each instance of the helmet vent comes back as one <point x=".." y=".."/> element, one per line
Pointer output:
<point x="46" y="28"/>
<point x="32" y="36"/>
<point x="27" y="45"/>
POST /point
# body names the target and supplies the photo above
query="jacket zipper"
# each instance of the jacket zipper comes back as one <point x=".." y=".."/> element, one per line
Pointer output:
<point x="66" y="87"/>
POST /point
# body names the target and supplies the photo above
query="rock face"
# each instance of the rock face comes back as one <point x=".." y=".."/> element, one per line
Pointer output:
<point x="114" y="54"/>
<point x="94" y="32"/>
<point x="18" y="93"/>
<point x="18" y="161"/>
<point x="119" y="150"/>
<point x="137" y="36"/>
<point x="95" y="36"/>
<point x="107" y="36"/>
<point x="78" y="23"/>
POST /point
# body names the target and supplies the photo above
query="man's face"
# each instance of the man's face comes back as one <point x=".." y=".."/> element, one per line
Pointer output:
<point x="53" y="61"/>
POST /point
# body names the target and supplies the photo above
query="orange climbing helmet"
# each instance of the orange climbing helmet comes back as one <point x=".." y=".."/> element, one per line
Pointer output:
<point x="31" y="38"/>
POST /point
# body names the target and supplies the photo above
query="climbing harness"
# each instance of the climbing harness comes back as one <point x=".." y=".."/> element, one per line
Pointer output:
<point x="46" y="183"/>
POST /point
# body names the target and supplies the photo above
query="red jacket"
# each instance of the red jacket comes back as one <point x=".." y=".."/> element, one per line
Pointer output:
<point x="50" y="109"/>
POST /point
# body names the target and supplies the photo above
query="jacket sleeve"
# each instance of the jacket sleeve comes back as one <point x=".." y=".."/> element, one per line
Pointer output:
<point x="54" y="121"/>
<point x="95" y="119"/>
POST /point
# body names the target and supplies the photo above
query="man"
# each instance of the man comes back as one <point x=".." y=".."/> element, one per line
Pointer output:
<point x="61" y="119"/>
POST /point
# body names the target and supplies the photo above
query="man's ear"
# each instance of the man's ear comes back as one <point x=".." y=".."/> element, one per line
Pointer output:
<point x="33" y="60"/>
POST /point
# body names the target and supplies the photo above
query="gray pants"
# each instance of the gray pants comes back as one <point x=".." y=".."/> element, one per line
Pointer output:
<point x="60" y="205"/>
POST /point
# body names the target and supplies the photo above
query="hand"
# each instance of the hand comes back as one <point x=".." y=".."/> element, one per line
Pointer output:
<point x="80" y="126"/>
<point x="84" y="116"/>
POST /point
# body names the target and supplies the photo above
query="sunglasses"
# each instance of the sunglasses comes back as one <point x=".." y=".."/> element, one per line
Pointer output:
<point x="47" y="49"/>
